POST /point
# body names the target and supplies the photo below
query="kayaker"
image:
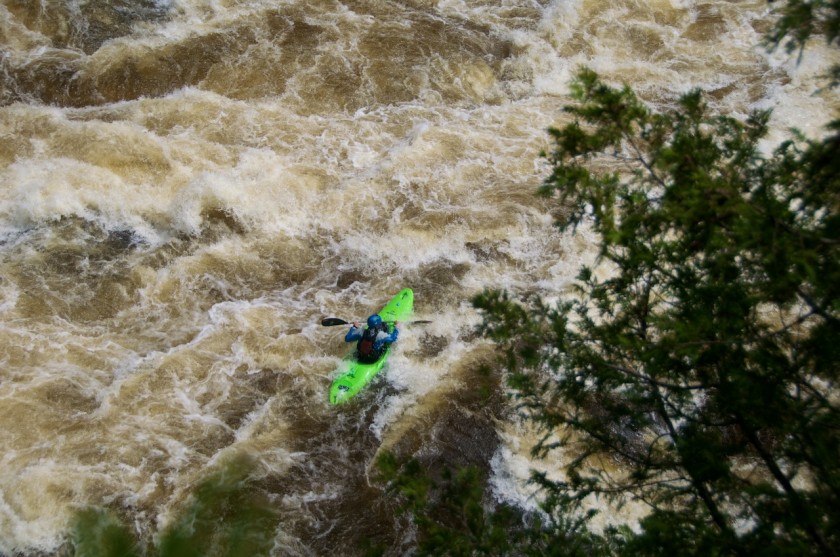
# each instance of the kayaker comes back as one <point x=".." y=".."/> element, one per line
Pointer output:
<point x="373" y="339"/>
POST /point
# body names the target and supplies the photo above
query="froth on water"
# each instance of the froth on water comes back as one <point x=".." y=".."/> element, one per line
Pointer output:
<point x="187" y="188"/>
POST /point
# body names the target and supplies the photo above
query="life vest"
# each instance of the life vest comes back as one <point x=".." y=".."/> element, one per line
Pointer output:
<point x="367" y="353"/>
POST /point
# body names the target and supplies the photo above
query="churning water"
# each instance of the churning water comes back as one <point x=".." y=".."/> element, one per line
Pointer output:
<point x="188" y="186"/>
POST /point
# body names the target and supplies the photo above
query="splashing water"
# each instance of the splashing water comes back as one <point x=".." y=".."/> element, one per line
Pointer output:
<point x="187" y="187"/>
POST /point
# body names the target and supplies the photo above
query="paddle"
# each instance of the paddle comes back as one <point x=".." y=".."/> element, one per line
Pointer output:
<point x="333" y="321"/>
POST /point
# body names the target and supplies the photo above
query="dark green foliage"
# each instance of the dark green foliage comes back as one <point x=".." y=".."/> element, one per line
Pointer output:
<point x="703" y="357"/>
<point x="224" y="516"/>
<point x="97" y="533"/>
<point x="454" y="518"/>
<point x="451" y="519"/>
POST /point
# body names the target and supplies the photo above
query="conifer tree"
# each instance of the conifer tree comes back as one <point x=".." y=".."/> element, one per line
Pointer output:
<point x="704" y="361"/>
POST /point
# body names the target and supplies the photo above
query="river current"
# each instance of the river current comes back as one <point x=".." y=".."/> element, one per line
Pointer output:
<point x="188" y="186"/>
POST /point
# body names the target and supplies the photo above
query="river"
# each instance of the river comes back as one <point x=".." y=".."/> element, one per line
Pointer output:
<point x="188" y="186"/>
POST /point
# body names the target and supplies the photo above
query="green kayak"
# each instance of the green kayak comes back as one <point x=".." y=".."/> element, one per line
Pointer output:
<point x="355" y="375"/>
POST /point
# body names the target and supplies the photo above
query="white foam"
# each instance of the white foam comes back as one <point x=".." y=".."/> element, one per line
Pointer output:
<point x="513" y="467"/>
<point x="339" y="205"/>
<point x="795" y="104"/>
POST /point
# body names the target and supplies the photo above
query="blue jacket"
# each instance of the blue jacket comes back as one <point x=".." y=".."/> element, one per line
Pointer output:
<point x="355" y="333"/>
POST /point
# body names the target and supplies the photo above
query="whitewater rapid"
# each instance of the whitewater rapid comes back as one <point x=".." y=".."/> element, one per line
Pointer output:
<point x="188" y="187"/>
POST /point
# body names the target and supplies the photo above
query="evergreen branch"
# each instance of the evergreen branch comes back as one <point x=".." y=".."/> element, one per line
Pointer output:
<point x="816" y="307"/>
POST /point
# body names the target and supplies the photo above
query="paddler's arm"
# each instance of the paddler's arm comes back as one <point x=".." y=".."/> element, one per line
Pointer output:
<point x="355" y="332"/>
<point x="389" y="338"/>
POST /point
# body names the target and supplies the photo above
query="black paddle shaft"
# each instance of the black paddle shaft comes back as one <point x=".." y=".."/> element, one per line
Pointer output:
<point x="333" y="321"/>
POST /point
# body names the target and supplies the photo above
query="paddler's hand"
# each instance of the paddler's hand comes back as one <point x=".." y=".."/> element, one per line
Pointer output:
<point x="357" y="325"/>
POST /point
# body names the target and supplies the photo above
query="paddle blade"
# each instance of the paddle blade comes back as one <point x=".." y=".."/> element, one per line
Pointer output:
<point x="333" y="321"/>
